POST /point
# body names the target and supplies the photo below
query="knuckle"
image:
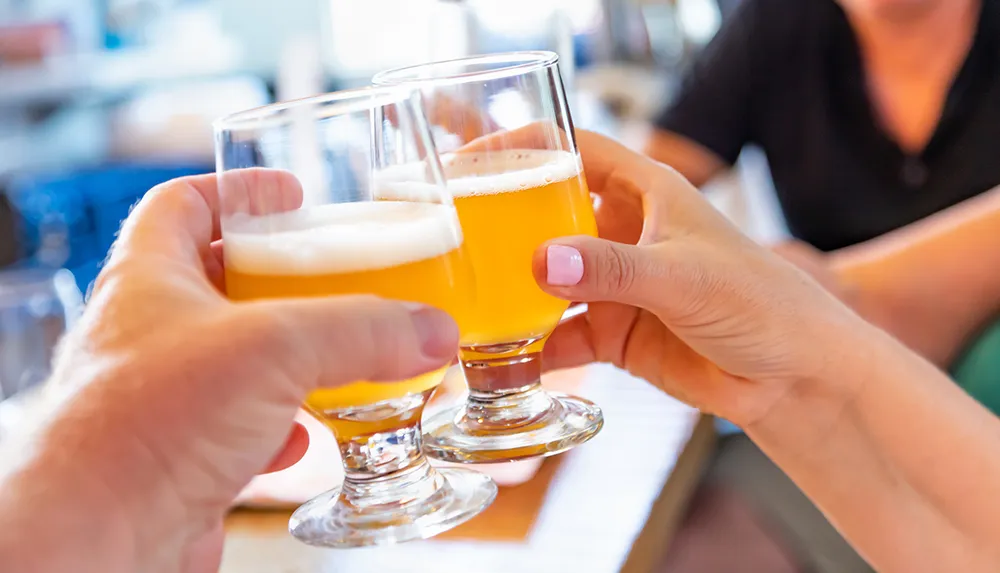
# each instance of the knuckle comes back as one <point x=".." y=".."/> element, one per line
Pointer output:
<point x="119" y="273"/>
<point x="371" y="335"/>
<point x="618" y="274"/>
<point x="390" y="345"/>
<point x="359" y="337"/>
<point x="620" y="178"/>
<point x="359" y="343"/>
<point x="368" y="302"/>
<point x="261" y="330"/>
<point x="265" y="325"/>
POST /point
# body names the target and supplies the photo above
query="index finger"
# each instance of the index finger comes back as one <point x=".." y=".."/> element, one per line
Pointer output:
<point x="570" y="345"/>
<point x="671" y="205"/>
<point x="606" y="160"/>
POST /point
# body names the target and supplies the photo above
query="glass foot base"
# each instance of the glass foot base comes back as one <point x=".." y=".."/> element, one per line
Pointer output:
<point x="458" y="435"/>
<point x="330" y="520"/>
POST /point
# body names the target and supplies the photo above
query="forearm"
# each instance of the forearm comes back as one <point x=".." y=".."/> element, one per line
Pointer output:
<point x="696" y="163"/>
<point x="935" y="316"/>
<point x="55" y="517"/>
<point x="903" y="462"/>
<point x="77" y="494"/>
<point x="932" y="284"/>
<point x="930" y="324"/>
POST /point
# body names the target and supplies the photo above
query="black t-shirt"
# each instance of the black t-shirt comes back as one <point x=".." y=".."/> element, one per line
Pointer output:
<point x="787" y="76"/>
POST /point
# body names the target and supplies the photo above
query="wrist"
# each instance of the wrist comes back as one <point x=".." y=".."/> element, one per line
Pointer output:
<point x="818" y="401"/>
<point x="58" y="516"/>
<point x="89" y="485"/>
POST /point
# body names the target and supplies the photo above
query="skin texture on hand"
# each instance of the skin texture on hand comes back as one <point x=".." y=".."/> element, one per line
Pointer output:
<point x="737" y="314"/>
<point x="903" y="462"/>
<point x="167" y="398"/>
<point x="820" y="267"/>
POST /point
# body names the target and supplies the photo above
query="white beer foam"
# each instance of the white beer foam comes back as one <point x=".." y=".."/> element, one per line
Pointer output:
<point x="478" y="173"/>
<point x="341" y="238"/>
<point x="508" y="170"/>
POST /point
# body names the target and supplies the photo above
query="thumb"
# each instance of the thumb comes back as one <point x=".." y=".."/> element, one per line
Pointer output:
<point x="587" y="269"/>
<point x="346" y="339"/>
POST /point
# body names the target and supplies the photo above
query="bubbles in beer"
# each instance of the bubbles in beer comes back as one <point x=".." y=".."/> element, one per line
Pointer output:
<point x="341" y="238"/>
<point x="507" y="170"/>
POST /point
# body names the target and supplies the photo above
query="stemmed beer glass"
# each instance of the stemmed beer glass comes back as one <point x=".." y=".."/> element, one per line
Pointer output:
<point x="517" y="181"/>
<point x="343" y="194"/>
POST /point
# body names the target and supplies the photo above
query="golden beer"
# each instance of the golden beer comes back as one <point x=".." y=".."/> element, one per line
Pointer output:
<point x="398" y="250"/>
<point x="509" y="203"/>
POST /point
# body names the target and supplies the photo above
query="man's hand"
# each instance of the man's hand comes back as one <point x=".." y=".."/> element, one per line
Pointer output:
<point x="168" y="398"/>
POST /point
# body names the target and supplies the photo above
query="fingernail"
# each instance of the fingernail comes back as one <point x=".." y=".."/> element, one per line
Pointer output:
<point x="564" y="265"/>
<point x="436" y="330"/>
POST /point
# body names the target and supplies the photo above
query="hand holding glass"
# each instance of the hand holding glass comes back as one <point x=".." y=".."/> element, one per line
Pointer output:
<point x="322" y="221"/>
<point x="517" y="182"/>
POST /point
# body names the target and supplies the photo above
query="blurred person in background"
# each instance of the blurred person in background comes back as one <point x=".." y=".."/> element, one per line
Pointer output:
<point x="727" y="7"/>
<point x="29" y="43"/>
<point x="873" y="114"/>
<point x="934" y="284"/>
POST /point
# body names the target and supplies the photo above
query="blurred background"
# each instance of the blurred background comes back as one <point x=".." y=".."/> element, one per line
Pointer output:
<point x="102" y="99"/>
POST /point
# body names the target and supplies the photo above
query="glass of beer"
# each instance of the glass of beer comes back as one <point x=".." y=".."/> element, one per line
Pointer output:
<point x="342" y="194"/>
<point x="517" y="180"/>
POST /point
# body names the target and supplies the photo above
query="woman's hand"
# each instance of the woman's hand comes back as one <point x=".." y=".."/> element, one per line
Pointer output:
<point x="884" y="443"/>
<point x="679" y="297"/>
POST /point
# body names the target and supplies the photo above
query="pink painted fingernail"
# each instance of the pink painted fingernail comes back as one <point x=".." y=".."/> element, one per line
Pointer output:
<point x="564" y="265"/>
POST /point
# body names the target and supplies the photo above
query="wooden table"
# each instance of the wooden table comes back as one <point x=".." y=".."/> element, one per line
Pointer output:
<point x="611" y="505"/>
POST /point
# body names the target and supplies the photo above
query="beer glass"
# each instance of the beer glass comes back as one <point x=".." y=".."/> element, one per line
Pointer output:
<point x="342" y="194"/>
<point x="517" y="181"/>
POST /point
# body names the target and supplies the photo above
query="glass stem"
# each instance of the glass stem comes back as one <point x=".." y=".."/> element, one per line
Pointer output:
<point x="389" y="466"/>
<point x="505" y="393"/>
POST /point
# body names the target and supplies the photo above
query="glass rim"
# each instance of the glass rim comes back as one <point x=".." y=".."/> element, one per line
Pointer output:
<point x="518" y="63"/>
<point x="352" y="100"/>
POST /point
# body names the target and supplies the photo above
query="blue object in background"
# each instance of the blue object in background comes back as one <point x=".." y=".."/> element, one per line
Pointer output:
<point x="726" y="428"/>
<point x="71" y="219"/>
